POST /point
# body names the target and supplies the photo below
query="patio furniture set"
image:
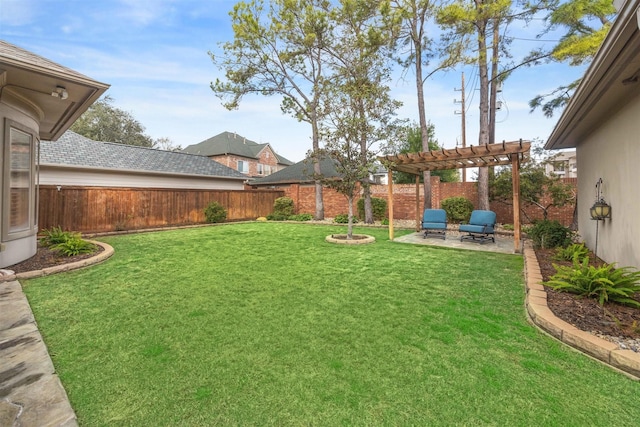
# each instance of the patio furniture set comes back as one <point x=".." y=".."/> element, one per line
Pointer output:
<point x="480" y="228"/>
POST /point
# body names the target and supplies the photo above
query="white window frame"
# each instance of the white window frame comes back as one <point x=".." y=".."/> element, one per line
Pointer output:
<point x="241" y="166"/>
<point x="11" y="165"/>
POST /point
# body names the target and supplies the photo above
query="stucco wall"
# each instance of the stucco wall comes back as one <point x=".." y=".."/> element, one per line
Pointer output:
<point x="612" y="152"/>
<point x="92" y="178"/>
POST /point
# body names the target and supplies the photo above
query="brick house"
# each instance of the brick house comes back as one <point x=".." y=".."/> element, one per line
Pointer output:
<point x="239" y="153"/>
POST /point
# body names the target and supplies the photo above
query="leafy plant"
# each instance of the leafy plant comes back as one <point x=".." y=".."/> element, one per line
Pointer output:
<point x="385" y="221"/>
<point x="301" y="217"/>
<point x="605" y="283"/>
<point x="215" y="212"/>
<point x="56" y="235"/>
<point x="74" y="246"/>
<point x="378" y="206"/>
<point x="549" y="234"/>
<point x="277" y="217"/>
<point x="573" y="251"/>
<point x="283" y="206"/>
<point x="343" y="219"/>
<point x="458" y="209"/>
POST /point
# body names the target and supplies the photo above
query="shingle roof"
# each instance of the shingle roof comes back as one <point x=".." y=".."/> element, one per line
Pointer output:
<point x="231" y="143"/>
<point x="301" y="172"/>
<point x="15" y="55"/>
<point x="72" y="149"/>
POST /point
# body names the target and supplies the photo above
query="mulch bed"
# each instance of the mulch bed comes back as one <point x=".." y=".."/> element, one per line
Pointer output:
<point x="45" y="257"/>
<point x="586" y="313"/>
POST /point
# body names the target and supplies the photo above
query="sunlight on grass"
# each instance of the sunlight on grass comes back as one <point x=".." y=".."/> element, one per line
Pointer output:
<point x="266" y="324"/>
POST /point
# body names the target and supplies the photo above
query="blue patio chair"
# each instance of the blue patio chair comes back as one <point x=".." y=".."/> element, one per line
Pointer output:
<point x="481" y="227"/>
<point x="434" y="223"/>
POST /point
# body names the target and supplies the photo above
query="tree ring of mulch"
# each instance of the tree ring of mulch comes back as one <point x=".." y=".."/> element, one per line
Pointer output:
<point x="356" y="239"/>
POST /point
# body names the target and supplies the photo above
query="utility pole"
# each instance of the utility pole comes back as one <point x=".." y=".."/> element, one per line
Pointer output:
<point x="462" y="112"/>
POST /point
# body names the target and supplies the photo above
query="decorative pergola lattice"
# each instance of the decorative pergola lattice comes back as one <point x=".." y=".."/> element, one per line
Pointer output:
<point x="505" y="153"/>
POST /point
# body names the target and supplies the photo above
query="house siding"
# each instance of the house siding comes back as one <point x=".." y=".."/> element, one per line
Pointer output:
<point x="610" y="152"/>
<point x="92" y="178"/>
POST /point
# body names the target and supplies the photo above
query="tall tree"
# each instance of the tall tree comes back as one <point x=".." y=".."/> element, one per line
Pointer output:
<point x="414" y="50"/>
<point x="279" y="52"/>
<point x="104" y="122"/>
<point x="358" y="108"/>
<point x="359" y="60"/>
<point x="586" y="23"/>
<point x="482" y="24"/>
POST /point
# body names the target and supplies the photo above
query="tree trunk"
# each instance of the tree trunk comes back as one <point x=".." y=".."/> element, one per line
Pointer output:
<point x="319" y="215"/>
<point x="368" y="207"/>
<point x="483" y="137"/>
<point x="422" y="116"/>
<point x="350" y="222"/>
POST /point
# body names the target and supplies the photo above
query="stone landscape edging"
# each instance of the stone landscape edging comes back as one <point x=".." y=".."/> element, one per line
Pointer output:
<point x="626" y="361"/>
<point x="98" y="258"/>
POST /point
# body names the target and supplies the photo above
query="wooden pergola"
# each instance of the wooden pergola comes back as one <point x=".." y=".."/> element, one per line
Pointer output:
<point x="505" y="153"/>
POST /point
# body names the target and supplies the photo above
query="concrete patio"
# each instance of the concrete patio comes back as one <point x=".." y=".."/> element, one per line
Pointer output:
<point x="503" y="243"/>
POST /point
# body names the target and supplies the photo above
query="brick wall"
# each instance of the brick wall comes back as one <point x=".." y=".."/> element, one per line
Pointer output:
<point x="404" y="200"/>
<point x="266" y="157"/>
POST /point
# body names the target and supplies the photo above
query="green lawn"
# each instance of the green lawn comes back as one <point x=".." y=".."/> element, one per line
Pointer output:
<point x="266" y="324"/>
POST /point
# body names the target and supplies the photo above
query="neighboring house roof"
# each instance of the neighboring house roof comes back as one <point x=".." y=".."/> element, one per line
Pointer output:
<point x="231" y="143"/>
<point x="74" y="150"/>
<point x="612" y="79"/>
<point x="299" y="173"/>
<point x="59" y="95"/>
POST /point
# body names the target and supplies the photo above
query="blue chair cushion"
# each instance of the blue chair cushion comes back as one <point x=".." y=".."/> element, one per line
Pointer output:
<point x="470" y="228"/>
<point x="434" y="225"/>
<point x="434" y="218"/>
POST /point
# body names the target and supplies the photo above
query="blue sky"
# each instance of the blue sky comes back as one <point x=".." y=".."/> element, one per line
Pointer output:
<point x="153" y="53"/>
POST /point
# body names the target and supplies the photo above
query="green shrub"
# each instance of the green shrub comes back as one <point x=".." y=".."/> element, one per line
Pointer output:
<point x="215" y="212"/>
<point x="385" y="221"/>
<point x="283" y="206"/>
<point x="277" y="217"/>
<point x="74" y="246"/>
<point x="549" y="234"/>
<point x="55" y="235"/>
<point x="571" y="252"/>
<point x="509" y="227"/>
<point x="301" y="217"/>
<point x="605" y="283"/>
<point x="344" y="219"/>
<point x="458" y="209"/>
<point x="378" y="206"/>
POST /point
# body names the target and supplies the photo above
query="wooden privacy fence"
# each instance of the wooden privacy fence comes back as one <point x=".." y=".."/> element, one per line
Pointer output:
<point x="98" y="209"/>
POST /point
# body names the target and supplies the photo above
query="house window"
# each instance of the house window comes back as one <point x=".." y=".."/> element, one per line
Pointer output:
<point x="260" y="169"/>
<point x="243" y="166"/>
<point x="559" y="166"/>
<point x="19" y="187"/>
